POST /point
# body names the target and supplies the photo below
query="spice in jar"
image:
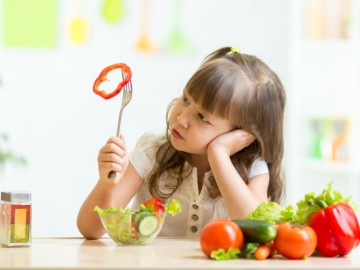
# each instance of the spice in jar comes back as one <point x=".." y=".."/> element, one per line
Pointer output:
<point x="15" y="219"/>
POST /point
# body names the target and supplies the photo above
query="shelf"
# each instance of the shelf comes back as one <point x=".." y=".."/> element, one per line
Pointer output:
<point x="328" y="45"/>
<point x="325" y="84"/>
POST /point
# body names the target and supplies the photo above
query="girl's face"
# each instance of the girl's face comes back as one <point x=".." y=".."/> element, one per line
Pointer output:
<point x="192" y="128"/>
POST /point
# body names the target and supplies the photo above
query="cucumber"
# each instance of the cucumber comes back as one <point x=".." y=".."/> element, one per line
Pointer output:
<point x="256" y="231"/>
<point x="147" y="224"/>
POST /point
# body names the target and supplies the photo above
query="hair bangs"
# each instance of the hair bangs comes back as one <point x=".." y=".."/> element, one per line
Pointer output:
<point x="213" y="87"/>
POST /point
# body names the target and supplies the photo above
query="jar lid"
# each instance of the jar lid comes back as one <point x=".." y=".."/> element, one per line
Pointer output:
<point x="16" y="196"/>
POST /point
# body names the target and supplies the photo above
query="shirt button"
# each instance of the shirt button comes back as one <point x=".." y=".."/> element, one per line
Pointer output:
<point x="194" y="206"/>
<point x="194" y="229"/>
<point x="194" y="217"/>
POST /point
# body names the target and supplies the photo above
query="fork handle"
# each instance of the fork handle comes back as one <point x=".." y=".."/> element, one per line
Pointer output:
<point x="119" y="122"/>
<point x="112" y="174"/>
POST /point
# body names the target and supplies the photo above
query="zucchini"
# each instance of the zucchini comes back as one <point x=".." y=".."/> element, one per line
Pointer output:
<point x="256" y="231"/>
<point x="147" y="224"/>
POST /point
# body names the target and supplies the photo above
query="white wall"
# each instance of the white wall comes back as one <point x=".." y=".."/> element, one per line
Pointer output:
<point x="48" y="109"/>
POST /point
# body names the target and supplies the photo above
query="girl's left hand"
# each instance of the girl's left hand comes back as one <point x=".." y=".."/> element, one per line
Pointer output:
<point x="232" y="141"/>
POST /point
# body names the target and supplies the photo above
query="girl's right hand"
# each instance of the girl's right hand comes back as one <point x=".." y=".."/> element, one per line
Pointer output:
<point x="113" y="156"/>
<point x="232" y="141"/>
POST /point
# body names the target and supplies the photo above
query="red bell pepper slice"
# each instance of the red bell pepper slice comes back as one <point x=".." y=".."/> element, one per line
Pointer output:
<point x="155" y="205"/>
<point x="103" y="77"/>
<point x="336" y="227"/>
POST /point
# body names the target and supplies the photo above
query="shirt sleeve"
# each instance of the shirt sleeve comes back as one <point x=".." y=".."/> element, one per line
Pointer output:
<point x="258" y="167"/>
<point x="143" y="156"/>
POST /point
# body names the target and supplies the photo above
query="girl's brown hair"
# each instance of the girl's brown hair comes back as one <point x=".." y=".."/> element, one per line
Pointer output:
<point x="244" y="90"/>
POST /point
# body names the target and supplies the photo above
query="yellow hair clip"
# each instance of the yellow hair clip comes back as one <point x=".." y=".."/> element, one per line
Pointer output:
<point x="234" y="50"/>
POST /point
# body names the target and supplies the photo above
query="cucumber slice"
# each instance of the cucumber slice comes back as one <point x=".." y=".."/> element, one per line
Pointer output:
<point x="147" y="224"/>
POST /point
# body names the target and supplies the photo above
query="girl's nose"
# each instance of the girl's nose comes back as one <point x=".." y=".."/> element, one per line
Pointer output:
<point x="182" y="119"/>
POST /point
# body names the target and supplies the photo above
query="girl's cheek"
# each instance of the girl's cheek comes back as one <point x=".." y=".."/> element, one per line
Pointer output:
<point x="172" y="116"/>
<point x="175" y="112"/>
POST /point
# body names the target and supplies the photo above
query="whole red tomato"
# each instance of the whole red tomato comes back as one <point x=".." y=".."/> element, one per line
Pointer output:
<point x="220" y="233"/>
<point x="295" y="242"/>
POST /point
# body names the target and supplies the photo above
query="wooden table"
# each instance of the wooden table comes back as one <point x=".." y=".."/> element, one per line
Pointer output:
<point x="163" y="253"/>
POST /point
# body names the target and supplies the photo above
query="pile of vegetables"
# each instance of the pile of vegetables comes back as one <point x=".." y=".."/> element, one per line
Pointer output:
<point x="322" y="224"/>
<point x="139" y="227"/>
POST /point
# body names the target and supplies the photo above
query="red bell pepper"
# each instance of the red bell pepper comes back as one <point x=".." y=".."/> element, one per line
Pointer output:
<point x="103" y="77"/>
<point x="155" y="205"/>
<point x="336" y="227"/>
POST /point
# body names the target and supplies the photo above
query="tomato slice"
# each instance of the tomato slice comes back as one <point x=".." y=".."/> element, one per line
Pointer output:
<point x="136" y="233"/>
<point x="155" y="205"/>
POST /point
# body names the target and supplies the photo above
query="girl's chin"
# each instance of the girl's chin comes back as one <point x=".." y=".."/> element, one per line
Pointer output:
<point x="179" y="145"/>
<point x="175" y="144"/>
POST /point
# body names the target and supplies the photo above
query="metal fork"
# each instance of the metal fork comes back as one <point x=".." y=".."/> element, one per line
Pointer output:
<point x="126" y="97"/>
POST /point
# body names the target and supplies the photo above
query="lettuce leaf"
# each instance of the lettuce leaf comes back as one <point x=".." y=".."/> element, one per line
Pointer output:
<point x="308" y="205"/>
<point x="117" y="222"/>
<point x="221" y="254"/>
<point x="272" y="212"/>
<point x="112" y="210"/>
<point x="173" y="208"/>
<point x="299" y="213"/>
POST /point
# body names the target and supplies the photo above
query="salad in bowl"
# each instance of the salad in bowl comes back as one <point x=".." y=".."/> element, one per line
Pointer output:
<point x="125" y="226"/>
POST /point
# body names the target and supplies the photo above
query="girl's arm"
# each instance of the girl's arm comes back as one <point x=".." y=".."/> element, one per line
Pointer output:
<point x="118" y="192"/>
<point x="239" y="198"/>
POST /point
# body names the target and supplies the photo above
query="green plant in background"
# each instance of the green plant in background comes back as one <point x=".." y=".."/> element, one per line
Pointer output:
<point x="7" y="156"/>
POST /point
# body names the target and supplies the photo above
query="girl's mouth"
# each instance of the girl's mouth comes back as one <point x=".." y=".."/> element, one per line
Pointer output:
<point x="176" y="134"/>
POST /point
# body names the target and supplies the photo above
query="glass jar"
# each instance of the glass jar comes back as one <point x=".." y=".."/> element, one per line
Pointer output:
<point x="15" y="219"/>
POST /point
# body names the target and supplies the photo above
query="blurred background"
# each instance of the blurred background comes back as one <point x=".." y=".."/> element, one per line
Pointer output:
<point x="52" y="125"/>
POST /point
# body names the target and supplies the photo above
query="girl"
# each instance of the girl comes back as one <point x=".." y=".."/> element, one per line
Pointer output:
<point x="220" y="157"/>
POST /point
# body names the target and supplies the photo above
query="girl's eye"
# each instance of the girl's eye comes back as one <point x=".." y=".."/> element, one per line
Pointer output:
<point x="202" y="118"/>
<point x="185" y="99"/>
